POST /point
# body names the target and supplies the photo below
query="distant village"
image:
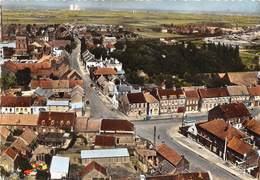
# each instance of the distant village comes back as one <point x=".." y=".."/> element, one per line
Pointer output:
<point x="47" y="130"/>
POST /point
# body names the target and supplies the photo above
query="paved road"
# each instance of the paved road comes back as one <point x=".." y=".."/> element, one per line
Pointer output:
<point x="97" y="108"/>
<point x="197" y="163"/>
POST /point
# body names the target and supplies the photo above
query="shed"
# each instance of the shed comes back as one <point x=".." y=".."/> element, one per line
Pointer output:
<point x="59" y="167"/>
<point x="119" y="155"/>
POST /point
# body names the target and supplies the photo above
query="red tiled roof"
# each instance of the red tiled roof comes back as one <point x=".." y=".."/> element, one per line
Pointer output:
<point x="50" y="84"/>
<point x="239" y="146"/>
<point x="18" y="120"/>
<point x="254" y="91"/>
<point x="253" y="125"/>
<point x="192" y="94"/>
<point x="167" y="92"/>
<point x="221" y="129"/>
<point x="91" y="166"/>
<point x="105" y="141"/>
<point x="169" y="154"/>
<point x="74" y="83"/>
<point x="57" y="119"/>
<point x="16" y="101"/>
<point x="105" y="71"/>
<point x="11" y="152"/>
<point x="213" y="92"/>
<point x="28" y="136"/>
<point x="34" y="67"/>
<point x="20" y="145"/>
<point x="233" y="110"/>
<point x="116" y="125"/>
<point x="136" y="98"/>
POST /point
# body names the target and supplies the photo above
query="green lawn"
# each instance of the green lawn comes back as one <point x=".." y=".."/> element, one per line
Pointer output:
<point x="249" y="59"/>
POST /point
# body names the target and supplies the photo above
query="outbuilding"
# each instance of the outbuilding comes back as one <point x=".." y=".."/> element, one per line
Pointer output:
<point x="119" y="155"/>
<point x="59" y="168"/>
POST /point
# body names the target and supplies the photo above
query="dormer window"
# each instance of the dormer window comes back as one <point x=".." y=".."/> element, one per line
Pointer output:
<point x="61" y="123"/>
<point x="43" y="122"/>
<point x="52" y="122"/>
<point x="68" y="123"/>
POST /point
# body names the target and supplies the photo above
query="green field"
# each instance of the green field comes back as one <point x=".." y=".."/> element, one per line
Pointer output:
<point x="143" y="20"/>
<point x="137" y="19"/>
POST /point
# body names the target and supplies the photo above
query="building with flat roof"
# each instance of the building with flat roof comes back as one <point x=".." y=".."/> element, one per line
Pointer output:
<point x="119" y="155"/>
<point x="59" y="168"/>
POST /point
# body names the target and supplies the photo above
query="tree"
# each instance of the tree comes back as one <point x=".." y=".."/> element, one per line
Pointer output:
<point x="23" y="77"/>
<point x="7" y="81"/>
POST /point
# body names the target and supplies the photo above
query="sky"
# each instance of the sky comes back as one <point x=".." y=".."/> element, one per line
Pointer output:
<point x="215" y="6"/>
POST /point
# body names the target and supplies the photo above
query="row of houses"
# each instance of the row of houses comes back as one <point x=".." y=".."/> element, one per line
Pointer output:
<point x="168" y="101"/>
<point x="231" y="133"/>
<point x="41" y="100"/>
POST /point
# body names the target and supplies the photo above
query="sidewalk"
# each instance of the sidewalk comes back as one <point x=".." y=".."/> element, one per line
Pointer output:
<point x="205" y="153"/>
<point x="169" y="116"/>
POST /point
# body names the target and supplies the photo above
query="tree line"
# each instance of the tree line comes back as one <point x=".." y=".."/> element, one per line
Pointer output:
<point x="177" y="64"/>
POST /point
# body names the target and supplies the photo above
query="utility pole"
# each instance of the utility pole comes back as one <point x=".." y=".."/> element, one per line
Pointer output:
<point x="154" y="136"/>
<point x="225" y="149"/>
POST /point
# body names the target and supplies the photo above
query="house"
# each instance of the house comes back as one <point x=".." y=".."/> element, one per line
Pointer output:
<point x="29" y="137"/>
<point x="77" y="100"/>
<point x="139" y="104"/>
<point x="16" y="104"/>
<point x="55" y="85"/>
<point x="105" y="156"/>
<point x="40" y="68"/>
<point x="59" y="168"/>
<point x="56" y="121"/>
<point x="233" y="113"/>
<point x="192" y="100"/>
<point x="4" y="133"/>
<point x="240" y="78"/>
<point x="238" y="94"/>
<point x="238" y="151"/>
<point x="93" y="170"/>
<point x="254" y="93"/>
<point x="108" y="87"/>
<point x="89" y="60"/>
<point x="42" y="153"/>
<point x="59" y="105"/>
<point x="211" y="97"/>
<point x="122" y="130"/>
<point x="252" y="127"/>
<point x="213" y="135"/>
<point x="9" y="159"/>
<point x="104" y="71"/>
<point x="21" y="147"/>
<point x="18" y="120"/>
<point x="169" y="161"/>
<point x="146" y="159"/>
<point x="71" y="75"/>
<point x="102" y="142"/>
<point x="171" y="101"/>
<point x="58" y="46"/>
<point x="21" y="45"/>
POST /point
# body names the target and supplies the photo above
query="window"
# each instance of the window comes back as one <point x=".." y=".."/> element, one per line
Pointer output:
<point x="52" y="122"/>
<point x="68" y="123"/>
<point x="43" y="122"/>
